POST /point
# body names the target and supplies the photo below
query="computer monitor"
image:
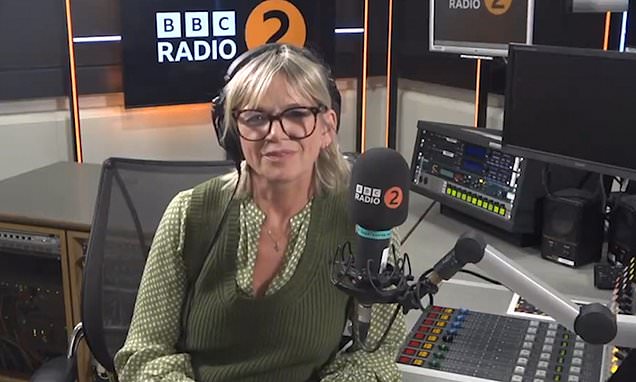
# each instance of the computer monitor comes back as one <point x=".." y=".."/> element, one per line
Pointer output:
<point x="573" y="107"/>
<point x="479" y="27"/>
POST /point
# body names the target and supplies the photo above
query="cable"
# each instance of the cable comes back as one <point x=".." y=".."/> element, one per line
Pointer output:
<point x="408" y="234"/>
<point x="375" y="348"/>
<point x="492" y="281"/>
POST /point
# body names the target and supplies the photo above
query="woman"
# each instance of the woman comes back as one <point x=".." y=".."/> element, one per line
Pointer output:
<point x="262" y="307"/>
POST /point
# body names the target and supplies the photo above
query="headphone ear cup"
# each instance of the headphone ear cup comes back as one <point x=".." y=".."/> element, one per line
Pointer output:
<point x="232" y="145"/>
<point x="218" y="118"/>
<point x="336" y="98"/>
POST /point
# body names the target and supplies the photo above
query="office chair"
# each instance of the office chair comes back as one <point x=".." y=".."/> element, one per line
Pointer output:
<point x="131" y="199"/>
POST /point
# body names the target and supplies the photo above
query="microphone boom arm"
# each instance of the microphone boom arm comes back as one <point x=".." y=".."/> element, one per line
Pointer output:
<point x="595" y="323"/>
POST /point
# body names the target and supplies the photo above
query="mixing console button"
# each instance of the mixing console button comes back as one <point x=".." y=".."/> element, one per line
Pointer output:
<point x="527" y="345"/>
<point x="551" y="333"/>
<point x="549" y="340"/>
<point x="557" y="377"/>
<point x="545" y="356"/>
<point x="522" y="361"/>
<point x="547" y="348"/>
<point x="437" y="308"/>
<point x="573" y="378"/>
<point x="433" y="315"/>
<point x="435" y="363"/>
<point x="566" y="336"/>
<point x="415" y="344"/>
<point x="558" y="369"/>
<point x="427" y="346"/>
<point x="437" y="331"/>
<point x="524" y="353"/>
<point x="538" y="380"/>
<point x="530" y="337"/>
<point x="439" y="355"/>
<point x="424" y="328"/>
<point x="460" y="317"/>
<point x="516" y="378"/>
<point x="443" y="347"/>
<point x="579" y="345"/>
<point x="553" y="326"/>
<point x="534" y="323"/>
<point x="441" y="324"/>
<point x="563" y="352"/>
<point x="447" y="338"/>
<point x="409" y="351"/>
<point x="541" y="373"/>
<point x="406" y="360"/>
<point x="420" y="336"/>
<point x="520" y="369"/>
<point x="560" y="360"/>
<point x="564" y="344"/>
<point x="456" y="325"/>
<point x="543" y="365"/>
<point x="423" y="354"/>
<point x="532" y="330"/>
<point x="452" y="332"/>
<point x="445" y="317"/>
<point x="429" y="322"/>
<point x="575" y="370"/>
<point x="577" y="361"/>
<point x="432" y="338"/>
<point x="418" y="362"/>
<point x="578" y="353"/>
<point x="449" y="310"/>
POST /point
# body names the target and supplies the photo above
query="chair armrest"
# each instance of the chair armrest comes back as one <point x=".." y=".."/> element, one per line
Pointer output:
<point x="60" y="369"/>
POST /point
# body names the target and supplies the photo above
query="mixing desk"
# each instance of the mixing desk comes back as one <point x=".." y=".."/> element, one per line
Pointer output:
<point x="499" y="348"/>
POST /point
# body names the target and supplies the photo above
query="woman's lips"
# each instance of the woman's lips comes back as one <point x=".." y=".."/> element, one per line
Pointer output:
<point x="278" y="154"/>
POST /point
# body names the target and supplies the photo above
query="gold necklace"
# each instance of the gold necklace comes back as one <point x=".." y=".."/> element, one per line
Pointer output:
<point x="275" y="241"/>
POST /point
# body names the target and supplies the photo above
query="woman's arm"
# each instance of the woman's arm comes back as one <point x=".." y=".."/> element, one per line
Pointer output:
<point x="360" y="366"/>
<point x="149" y="353"/>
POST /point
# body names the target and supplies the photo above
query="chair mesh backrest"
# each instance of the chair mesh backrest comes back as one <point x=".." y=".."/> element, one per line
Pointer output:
<point x="132" y="198"/>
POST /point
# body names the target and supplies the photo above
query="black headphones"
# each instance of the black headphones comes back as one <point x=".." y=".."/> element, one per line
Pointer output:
<point x="231" y="143"/>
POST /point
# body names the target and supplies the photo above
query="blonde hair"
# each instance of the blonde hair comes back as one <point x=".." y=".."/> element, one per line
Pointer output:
<point x="306" y="76"/>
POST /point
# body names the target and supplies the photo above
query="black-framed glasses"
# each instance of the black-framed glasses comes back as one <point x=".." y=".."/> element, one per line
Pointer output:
<point x="297" y="122"/>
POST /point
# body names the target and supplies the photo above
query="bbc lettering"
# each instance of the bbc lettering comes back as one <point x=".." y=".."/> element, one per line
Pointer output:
<point x="193" y="38"/>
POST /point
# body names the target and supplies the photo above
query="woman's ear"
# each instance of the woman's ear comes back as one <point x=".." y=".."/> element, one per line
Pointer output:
<point x="330" y="120"/>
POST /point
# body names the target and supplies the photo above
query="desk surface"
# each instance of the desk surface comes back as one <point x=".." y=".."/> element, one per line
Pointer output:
<point x="61" y="195"/>
<point x="438" y="233"/>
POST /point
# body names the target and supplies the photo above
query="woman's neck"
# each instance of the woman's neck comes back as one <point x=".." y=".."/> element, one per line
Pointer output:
<point x="281" y="201"/>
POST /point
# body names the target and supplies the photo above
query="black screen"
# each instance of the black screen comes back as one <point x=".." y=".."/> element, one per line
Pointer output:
<point x="573" y="105"/>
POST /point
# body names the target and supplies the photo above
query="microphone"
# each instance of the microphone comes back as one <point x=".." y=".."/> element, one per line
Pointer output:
<point x="379" y="202"/>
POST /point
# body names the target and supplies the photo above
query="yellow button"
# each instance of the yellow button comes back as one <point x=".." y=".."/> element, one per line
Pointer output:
<point x="502" y="211"/>
<point x="449" y="310"/>
<point x="441" y="324"/>
<point x="423" y="354"/>
<point x="445" y="317"/>
<point x="490" y="207"/>
<point x="418" y="362"/>
<point x="454" y="192"/>
<point x="480" y="203"/>
<point x="496" y="209"/>
<point x="448" y="191"/>
<point x="437" y="331"/>
<point x="463" y="196"/>
<point x="428" y="346"/>
<point x="432" y="338"/>
<point x="474" y="200"/>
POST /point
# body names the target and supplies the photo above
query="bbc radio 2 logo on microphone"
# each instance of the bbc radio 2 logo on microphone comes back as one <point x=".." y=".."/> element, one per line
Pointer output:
<point x="392" y="199"/>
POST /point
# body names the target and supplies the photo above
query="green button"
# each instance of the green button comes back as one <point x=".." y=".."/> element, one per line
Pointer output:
<point x="480" y="203"/>
<point x="559" y="369"/>
<point x="563" y="352"/>
<point x="454" y="192"/>
<point x="464" y="197"/>
<point x="496" y="209"/>
<point x="502" y="211"/>
<point x="448" y="191"/>
<point x="439" y="355"/>
<point x="566" y="336"/>
<point x="490" y="207"/>
<point x="557" y="377"/>
<point x="564" y="344"/>
<point x="443" y="347"/>
<point x="560" y="360"/>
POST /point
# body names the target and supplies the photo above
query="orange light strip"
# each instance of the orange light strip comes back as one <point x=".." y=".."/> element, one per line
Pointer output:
<point x="477" y="89"/>
<point x="365" y="47"/>
<point x="388" y="74"/>
<point x="74" y="97"/>
<point x="608" y="19"/>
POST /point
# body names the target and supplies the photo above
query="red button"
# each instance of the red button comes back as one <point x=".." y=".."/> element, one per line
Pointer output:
<point x="409" y="351"/>
<point x="437" y="308"/>
<point x="429" y="322"/>
<point x="406" y="360"/>
<point x="433" y="315"/>
<point x="420" y="336"/>
<point x="424" y="328"/>
<point x="415" y="344"/>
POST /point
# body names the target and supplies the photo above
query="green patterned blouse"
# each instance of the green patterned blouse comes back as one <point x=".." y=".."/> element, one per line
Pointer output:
<point x="149" y="354"/>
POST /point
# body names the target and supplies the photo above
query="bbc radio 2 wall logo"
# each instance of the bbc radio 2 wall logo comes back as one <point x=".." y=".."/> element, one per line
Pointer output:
<point x="211" y="35"/>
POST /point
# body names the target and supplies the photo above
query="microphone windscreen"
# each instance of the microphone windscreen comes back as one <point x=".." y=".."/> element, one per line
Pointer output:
<point x="379" y="189"/>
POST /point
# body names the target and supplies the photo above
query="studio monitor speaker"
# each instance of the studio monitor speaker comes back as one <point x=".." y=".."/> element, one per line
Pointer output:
<point x="622" y="232"/>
